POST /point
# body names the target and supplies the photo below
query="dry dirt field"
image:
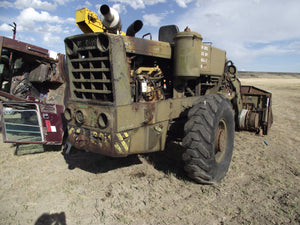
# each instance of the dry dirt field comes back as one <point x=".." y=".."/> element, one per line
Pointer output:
<point x="262" y="185"/>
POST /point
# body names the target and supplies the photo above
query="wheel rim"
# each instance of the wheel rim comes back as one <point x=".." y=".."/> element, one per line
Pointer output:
<point x="221" y="140"/>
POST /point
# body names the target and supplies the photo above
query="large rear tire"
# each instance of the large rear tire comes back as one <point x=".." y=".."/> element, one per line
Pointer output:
<point x="209" y="139"/>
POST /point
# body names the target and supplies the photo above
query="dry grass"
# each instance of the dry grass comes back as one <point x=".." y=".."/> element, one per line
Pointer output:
<point x="261" y="187"/>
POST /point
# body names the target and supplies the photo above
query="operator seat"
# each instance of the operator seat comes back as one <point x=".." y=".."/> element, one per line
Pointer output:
<point x="167" y="33"/>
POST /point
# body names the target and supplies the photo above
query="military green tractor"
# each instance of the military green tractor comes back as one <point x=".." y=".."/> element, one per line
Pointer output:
<point x="129" y="95"/>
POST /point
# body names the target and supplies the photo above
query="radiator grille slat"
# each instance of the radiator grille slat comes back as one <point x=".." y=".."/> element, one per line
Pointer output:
<point x="94" y="59"/>
<point x="92" y="91"/>
<point x="90" y="71"/>
<point x="94" y="81"/>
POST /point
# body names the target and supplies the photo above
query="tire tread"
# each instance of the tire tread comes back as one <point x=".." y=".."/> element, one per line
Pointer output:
<point x="199" y="137"/>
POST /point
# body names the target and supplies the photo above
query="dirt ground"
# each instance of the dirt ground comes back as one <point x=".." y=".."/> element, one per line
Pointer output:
<point x="262" y="185"/>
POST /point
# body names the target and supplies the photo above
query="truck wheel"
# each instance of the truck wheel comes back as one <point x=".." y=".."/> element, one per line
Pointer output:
<point x="209" y="138"/>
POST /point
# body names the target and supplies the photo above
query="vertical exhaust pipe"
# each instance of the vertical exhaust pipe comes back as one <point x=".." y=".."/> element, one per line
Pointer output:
<point x="134" y="28"/>
<point x="110" y="19"/>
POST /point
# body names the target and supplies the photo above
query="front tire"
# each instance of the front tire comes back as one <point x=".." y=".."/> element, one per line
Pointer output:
<point x="209" y="139"/>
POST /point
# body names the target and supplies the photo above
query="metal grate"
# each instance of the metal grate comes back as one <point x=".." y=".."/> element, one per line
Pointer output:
<point x="89" y="69"/>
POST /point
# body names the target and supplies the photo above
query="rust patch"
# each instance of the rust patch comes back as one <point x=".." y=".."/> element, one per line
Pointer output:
<point x="253" y="90"/>
<point x="109" y="144"/>
<point x="147" y="47"/>
<point x="25" y="47"/>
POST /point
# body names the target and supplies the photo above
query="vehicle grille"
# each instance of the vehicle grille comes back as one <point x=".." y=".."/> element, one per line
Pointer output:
<point x="89" y="68"/>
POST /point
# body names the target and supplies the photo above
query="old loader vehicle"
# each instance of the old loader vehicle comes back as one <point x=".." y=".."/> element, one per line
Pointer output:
<point x="33" y="94"/>
<point x="129" y="94"/>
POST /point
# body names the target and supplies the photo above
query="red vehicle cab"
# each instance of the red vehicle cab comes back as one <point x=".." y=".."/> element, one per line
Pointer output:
<point x="32" y="92"/>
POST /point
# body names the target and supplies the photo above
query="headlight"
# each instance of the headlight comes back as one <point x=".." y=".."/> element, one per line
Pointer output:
<point x="103" y="120"/>
<point x="68" y="114"/>
<point x="79" y="117"/>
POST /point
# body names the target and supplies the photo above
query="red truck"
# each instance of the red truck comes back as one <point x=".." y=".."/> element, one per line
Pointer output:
<point x="33" y="92"/>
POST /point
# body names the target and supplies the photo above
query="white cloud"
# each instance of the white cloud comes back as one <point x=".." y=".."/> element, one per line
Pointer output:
<point x="70" y="20"/>
<point x="37" y="4"/>
<point x="28" y="18"/>
<point x="152" y="19"/>
<point x="86" y="4"/>
<point x="6" y="4"/>
<point x="5" y="27"/>
<point x="183" y="3"/>
<point x="153" y="2"/>
<point x="53" y="28"/>
<point x="42" y="26"/>
<point x="235" y="25"/>
<point x="62" y="2"/>
<point x="294" y="47"/>
<point x="138" y="4"/>
<point x="50" y="38"/>
<point x="30" y="39"/>
<point x="121" y="9"/>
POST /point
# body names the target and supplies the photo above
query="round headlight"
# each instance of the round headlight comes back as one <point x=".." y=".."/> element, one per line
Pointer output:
<point x="103" y="120"/>
<point x="79" y="117"/>
<point x="68" y="114"/>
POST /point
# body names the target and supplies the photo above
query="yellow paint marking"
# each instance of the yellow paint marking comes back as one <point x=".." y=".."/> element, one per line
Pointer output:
<point x="118" y="148"/>
<point x="125" y="146"/>
<point x="119" y="136"/>
<point x="126" y="134"/>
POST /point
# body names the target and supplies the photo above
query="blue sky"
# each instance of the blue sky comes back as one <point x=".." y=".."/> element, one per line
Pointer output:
<point x="258" y="35"/>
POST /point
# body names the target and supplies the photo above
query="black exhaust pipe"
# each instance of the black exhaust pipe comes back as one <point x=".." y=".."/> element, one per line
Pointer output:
<point x="134" y="28"/>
